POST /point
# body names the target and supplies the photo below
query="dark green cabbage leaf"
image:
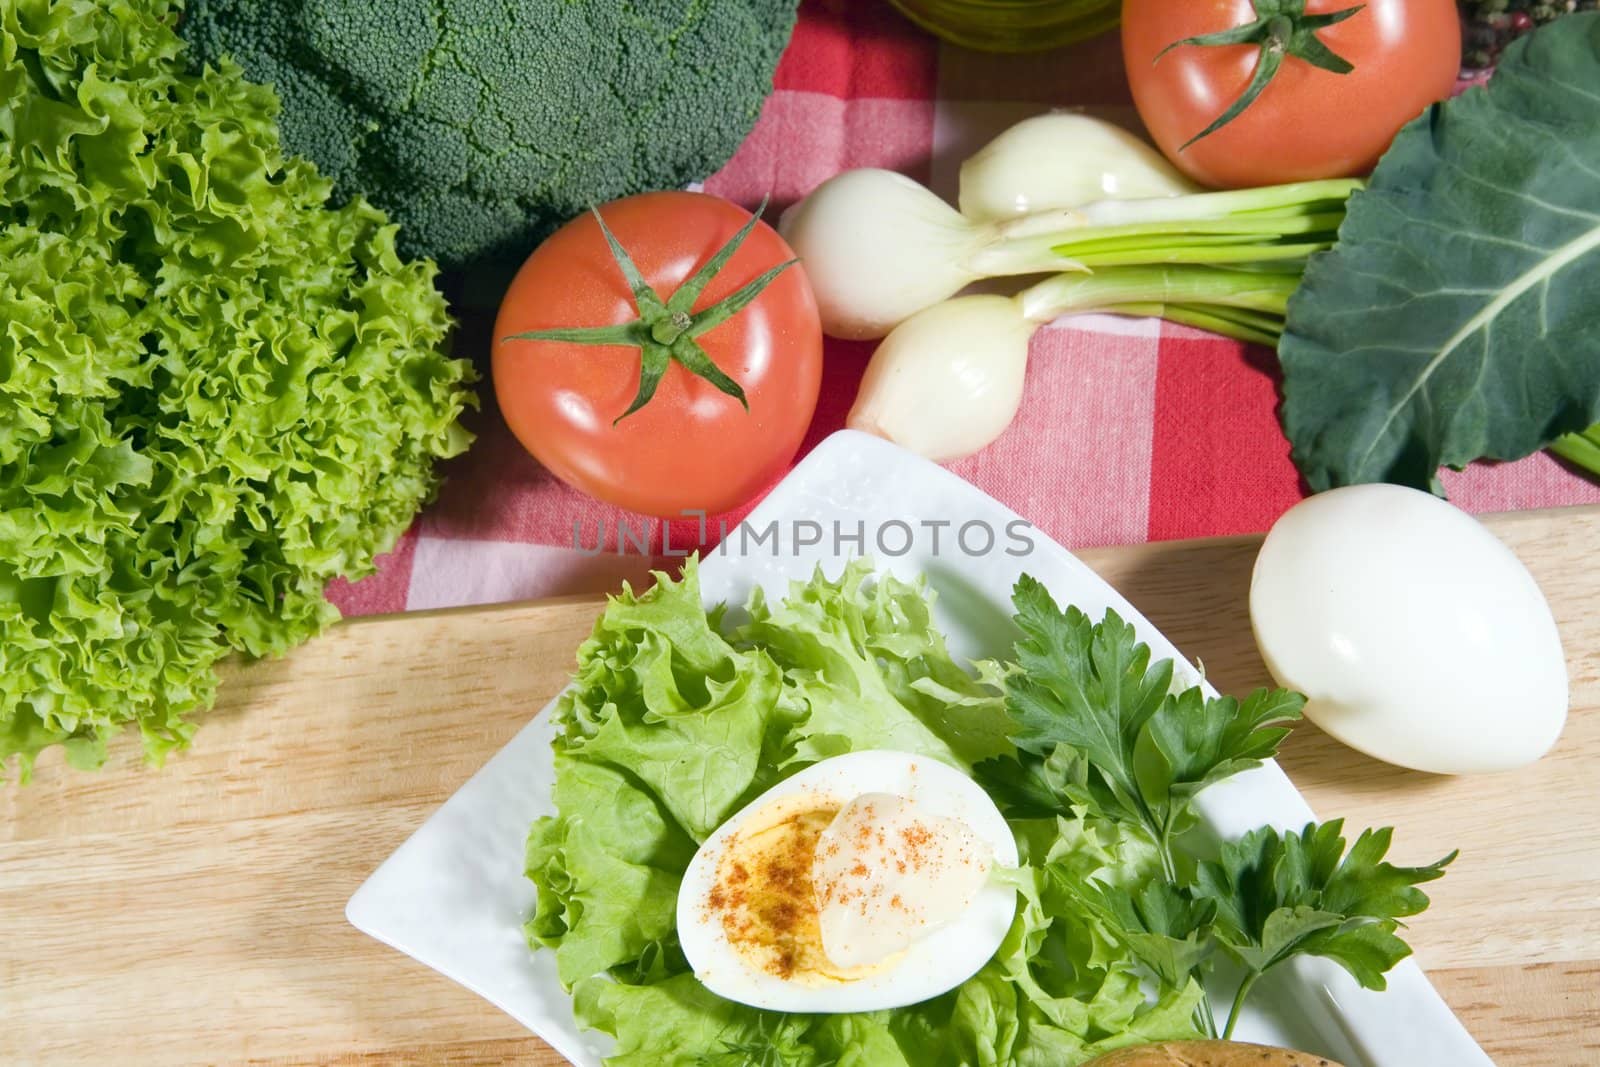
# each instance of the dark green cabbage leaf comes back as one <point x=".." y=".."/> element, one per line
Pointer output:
<point x="1456" y="318"/>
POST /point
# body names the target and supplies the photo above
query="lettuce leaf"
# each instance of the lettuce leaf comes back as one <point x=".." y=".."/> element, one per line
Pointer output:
<point x="865" y="667"/>
<point x="216" y="392"/>
<point x="662" y="695"/>
<point x="677" y="717"/>
<point x="606" y="871"/>
<point x="679" y="1023"/>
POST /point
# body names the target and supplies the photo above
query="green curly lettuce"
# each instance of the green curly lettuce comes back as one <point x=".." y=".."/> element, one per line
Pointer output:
<point x="216" y="393"/>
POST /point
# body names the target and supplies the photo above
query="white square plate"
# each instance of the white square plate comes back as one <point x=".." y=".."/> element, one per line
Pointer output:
<point x="455" y="898"/>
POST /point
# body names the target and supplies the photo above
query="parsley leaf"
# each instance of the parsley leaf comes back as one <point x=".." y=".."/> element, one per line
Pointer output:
<point x="1098" y="731"/>
<point x="1091" y="687"/>
<point x="1162" y="926"/>
<point x="1033" y="788"/>
<point x="1145" y="751"/>
<point x="1278" y="896"/>
<point x="1192" y="741"/>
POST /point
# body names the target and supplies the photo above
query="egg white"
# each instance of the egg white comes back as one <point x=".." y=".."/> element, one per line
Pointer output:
<point x="947" y="956"/>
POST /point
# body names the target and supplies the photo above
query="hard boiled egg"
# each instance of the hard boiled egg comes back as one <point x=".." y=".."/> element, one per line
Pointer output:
<point x="863" y="882"/>
<point x="1417" y="636"/>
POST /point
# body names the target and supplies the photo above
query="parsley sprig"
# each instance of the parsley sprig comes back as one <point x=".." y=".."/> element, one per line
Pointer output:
<point x="1099" y="730"/>
<point x="1113" y="736"/>
<point x="1279" y="896"/>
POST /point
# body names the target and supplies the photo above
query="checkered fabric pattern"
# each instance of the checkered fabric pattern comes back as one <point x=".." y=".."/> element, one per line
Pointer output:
<point x="1130" y="430"/>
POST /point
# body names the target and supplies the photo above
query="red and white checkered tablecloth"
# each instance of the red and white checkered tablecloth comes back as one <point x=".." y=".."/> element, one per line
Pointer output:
<point x="1130" y="430"/>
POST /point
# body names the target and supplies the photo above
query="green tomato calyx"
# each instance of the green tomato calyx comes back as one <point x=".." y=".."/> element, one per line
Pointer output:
<point x="666" y="331"/>
<point x="1281" y="29"/>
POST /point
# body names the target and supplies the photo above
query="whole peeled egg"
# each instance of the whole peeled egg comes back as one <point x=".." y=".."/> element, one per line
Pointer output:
<point x="860" y="883"/>
<point x="1416" y="635"/>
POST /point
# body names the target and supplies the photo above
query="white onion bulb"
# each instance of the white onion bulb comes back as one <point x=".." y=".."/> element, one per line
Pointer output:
<point x="878" y="247"/>
<point x="948" y="380"/>
<point x="1063" y="160"/>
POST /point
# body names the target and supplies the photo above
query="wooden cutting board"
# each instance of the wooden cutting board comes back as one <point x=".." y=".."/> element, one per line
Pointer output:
<point x="195" y="915"/>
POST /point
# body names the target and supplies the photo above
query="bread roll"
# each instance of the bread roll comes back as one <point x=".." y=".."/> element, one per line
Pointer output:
<point x="1208" y="1054"/>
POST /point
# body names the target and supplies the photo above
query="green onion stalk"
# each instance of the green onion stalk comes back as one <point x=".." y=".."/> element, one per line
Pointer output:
<point x="1581" y="449"/>
<point x="1245" y="304"/>
<point x="1273" y="224"/>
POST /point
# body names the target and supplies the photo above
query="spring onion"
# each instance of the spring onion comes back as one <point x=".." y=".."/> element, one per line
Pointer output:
<point x="879" y="247"/>
<point x="948" y="380"/>
<point x="1582" y="449"/>
<point x="1063" y="160"/>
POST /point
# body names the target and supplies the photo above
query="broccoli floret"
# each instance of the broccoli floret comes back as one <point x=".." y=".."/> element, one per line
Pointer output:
<point x="481" y="125"/>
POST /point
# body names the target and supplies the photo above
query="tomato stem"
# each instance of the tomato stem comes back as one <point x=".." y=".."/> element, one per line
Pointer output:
<point x="669" y="328"/>
<point x="1281" y="29"/>
<point x="665" y="331"/>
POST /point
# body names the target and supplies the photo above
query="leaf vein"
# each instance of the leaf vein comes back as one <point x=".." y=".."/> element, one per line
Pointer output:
<point x="1540" y="272"/>
<point x="1518" y="194"/>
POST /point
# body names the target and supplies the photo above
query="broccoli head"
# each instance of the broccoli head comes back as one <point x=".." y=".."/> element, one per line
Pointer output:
<point x="481" y="125"/>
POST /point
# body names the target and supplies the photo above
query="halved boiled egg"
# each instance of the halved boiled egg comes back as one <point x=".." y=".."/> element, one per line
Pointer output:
<point x="861" y="883"/>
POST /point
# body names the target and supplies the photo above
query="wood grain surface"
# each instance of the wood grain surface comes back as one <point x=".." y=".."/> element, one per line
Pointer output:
<point x="195" y="915"/>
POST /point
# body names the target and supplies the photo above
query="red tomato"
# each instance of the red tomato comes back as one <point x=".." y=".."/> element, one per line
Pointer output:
<point x="1308" y="123"/>
<point x="691" y="446"/>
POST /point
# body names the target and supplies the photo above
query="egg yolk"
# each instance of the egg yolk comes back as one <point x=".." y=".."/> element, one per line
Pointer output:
<point x="764" y="896"/>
